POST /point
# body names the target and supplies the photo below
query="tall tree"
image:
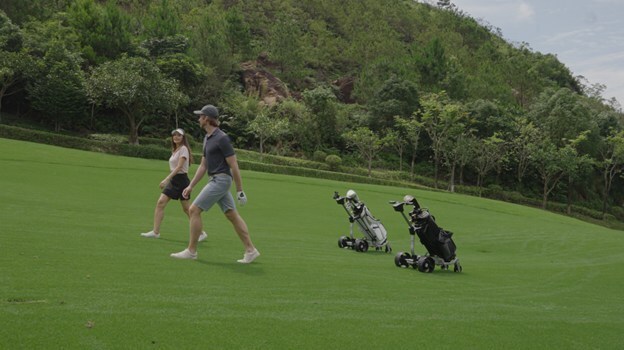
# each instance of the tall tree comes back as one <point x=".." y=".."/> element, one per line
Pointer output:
<point x="411" y="129"/>
<point x="612" y="164"/>
<point x="58" y="92"/>
<point x="524" y="142"/>
<point x="487" y="154"/>
<point x="367" y="143"/>
<point x="104" y="30"/>
<point x="135" y="87"/>
<point x="433" y="65"/>
<point x="440" y="118"/>
<point x="266" y="128"/>
<point x="396" y="97"/>
<point x="549" y="162"/>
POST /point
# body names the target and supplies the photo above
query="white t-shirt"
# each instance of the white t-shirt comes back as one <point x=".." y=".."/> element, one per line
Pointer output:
<point x="175" y="158"/>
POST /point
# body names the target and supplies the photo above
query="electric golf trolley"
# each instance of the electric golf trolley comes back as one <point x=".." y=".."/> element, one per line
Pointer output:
<point x="439" y="244"/>
<point x="374" y="232"/>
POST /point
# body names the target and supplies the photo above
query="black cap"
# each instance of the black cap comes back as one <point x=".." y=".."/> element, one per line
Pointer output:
<point x="209" y="110"/>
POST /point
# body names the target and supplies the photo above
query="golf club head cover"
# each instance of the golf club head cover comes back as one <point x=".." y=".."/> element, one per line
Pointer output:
<point x="242" y="199"/>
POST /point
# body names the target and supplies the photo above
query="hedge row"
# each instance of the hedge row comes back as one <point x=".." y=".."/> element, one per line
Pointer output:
<point x="122" y="149"/>
<point x="320" y="174"/>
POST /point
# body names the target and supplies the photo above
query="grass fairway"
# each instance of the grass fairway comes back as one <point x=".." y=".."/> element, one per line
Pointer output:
<point x="74" y="273"/>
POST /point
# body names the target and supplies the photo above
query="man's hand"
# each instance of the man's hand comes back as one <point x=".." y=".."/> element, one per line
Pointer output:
<point x="242" y="199"/>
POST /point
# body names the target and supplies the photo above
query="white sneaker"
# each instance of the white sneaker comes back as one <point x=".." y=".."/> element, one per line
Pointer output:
<point x="203" y="236"/>
<point x="185" y="254"/>
<point x="150" y="234"/>
<point x="249" y="257"/>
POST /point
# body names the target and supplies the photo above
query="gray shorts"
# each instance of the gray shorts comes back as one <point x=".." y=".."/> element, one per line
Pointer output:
<point x="216" y="191"/>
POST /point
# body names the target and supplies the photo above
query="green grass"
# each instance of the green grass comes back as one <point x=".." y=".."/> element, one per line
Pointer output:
<point x="74" y="273"/>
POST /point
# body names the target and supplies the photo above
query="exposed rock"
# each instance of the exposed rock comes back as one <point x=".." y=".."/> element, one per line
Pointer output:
<point x="259" y="82"/>
<point x="345" y="89"/>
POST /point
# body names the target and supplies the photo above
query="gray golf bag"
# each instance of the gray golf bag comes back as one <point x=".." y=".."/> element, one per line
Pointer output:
<point x="439" y="244"/>
<point x="374" y="232"/>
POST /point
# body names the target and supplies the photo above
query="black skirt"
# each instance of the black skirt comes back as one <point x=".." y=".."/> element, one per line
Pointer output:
<point x="175" y="187"/>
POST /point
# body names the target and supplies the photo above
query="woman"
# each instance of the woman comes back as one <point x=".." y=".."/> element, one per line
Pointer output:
<point x="175" y="182"/>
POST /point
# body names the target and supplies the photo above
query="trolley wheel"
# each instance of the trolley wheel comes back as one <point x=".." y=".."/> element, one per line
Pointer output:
<point x="388" y="248"/>
<point x="361" y="245"/>
<point x="457" y="268"/>
<point x="342" y="241"/>
<point x="356" y="244"/>
<point x="400" y="260"/>
<point x="426" y="264"/>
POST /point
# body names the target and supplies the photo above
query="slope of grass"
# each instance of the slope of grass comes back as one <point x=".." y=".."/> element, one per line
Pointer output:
<point x="75" y="274"/>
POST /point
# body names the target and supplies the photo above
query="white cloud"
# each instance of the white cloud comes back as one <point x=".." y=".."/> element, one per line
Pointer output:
<point x="525" y="12"/>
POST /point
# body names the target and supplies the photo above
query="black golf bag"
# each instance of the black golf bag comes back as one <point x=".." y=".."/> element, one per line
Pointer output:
<point x="374" y="232"/>
<point x="438" y="242"/>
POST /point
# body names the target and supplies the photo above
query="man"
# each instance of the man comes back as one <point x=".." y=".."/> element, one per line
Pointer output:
<point x="219" y="162"/>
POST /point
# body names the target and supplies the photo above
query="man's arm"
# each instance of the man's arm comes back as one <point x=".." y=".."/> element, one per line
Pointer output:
<point x="236" y="176"/>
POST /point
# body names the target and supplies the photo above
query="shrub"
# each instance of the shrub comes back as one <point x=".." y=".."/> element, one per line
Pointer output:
<point x="319" y="156"/>
<point x="333" y="161"/>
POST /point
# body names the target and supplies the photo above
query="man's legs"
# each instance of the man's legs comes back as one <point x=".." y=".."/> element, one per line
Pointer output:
<point x="195" y="227"/>
<point x="241" y="229"/>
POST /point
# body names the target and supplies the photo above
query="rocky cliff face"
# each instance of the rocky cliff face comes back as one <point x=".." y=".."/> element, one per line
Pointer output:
<point x="259" y="82"/>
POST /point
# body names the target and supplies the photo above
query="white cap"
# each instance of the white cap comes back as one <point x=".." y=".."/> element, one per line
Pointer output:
<point x="179" y="131"/>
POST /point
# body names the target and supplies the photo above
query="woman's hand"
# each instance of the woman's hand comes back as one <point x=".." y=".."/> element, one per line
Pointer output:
<point x="186" y="193"/>
<point x="163" y="183"/>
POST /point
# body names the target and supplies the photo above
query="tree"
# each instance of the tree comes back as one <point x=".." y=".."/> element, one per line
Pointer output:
<point x="266" y="128"/>
<point x="440" y="118"/>
<point x="303" y="126"/>
<point x="396" y="97"/>
<point x="367" y="142"/>
<point x="411" y="129"/>
<point x="563" y="115"/>
<point x="612" y="163"/>
<point x="394" y="140"/>
<point x="207" y="30"/>
<point x="13" y="68"/>
<point x="58" y="90"/>
<point x="322" y="103"/>
<point x="135" y="87"/>
<point x="433" y="65"/>
<point x="522" y="75"/>
<point x="575" y="166"/>
<point x="487" y="154"/>
<point x="456" y="152"/>
<point x="524" y="144"/>
<point x="104" y="31"/>
<point x="10" y="34"/>
<point x="286" y="49"/>
<point x="549" y="162"/>
<point x="162" y="19"/>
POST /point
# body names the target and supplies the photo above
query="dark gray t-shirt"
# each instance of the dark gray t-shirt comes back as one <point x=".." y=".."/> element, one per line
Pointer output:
<point x="217" y="147"/>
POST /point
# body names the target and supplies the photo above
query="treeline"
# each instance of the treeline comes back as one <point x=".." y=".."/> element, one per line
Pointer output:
<point x="396" y="85"/>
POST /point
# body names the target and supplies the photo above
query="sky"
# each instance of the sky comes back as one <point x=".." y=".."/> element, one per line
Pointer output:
<point x="587" y="36"/>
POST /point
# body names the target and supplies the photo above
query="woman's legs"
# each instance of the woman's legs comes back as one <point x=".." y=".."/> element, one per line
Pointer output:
<point x="159" y="212"/>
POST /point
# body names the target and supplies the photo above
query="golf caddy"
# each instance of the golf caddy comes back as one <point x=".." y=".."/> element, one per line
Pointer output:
<point x="374" y="232"/>
<point x="439" y="244"/>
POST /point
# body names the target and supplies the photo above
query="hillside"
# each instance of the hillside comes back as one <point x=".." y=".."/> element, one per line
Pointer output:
<point x="395" y="85"/>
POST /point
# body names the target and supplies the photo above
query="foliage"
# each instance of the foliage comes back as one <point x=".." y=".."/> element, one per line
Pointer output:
<point x="395" y="98"/>
<point x="59" y="92"/>
<point x="104" y="30"/>
<point x="346" y="64"/>
<point x="134" y="86"/>
<point x="366" y="142"/>
<point x="333" y="161"/>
